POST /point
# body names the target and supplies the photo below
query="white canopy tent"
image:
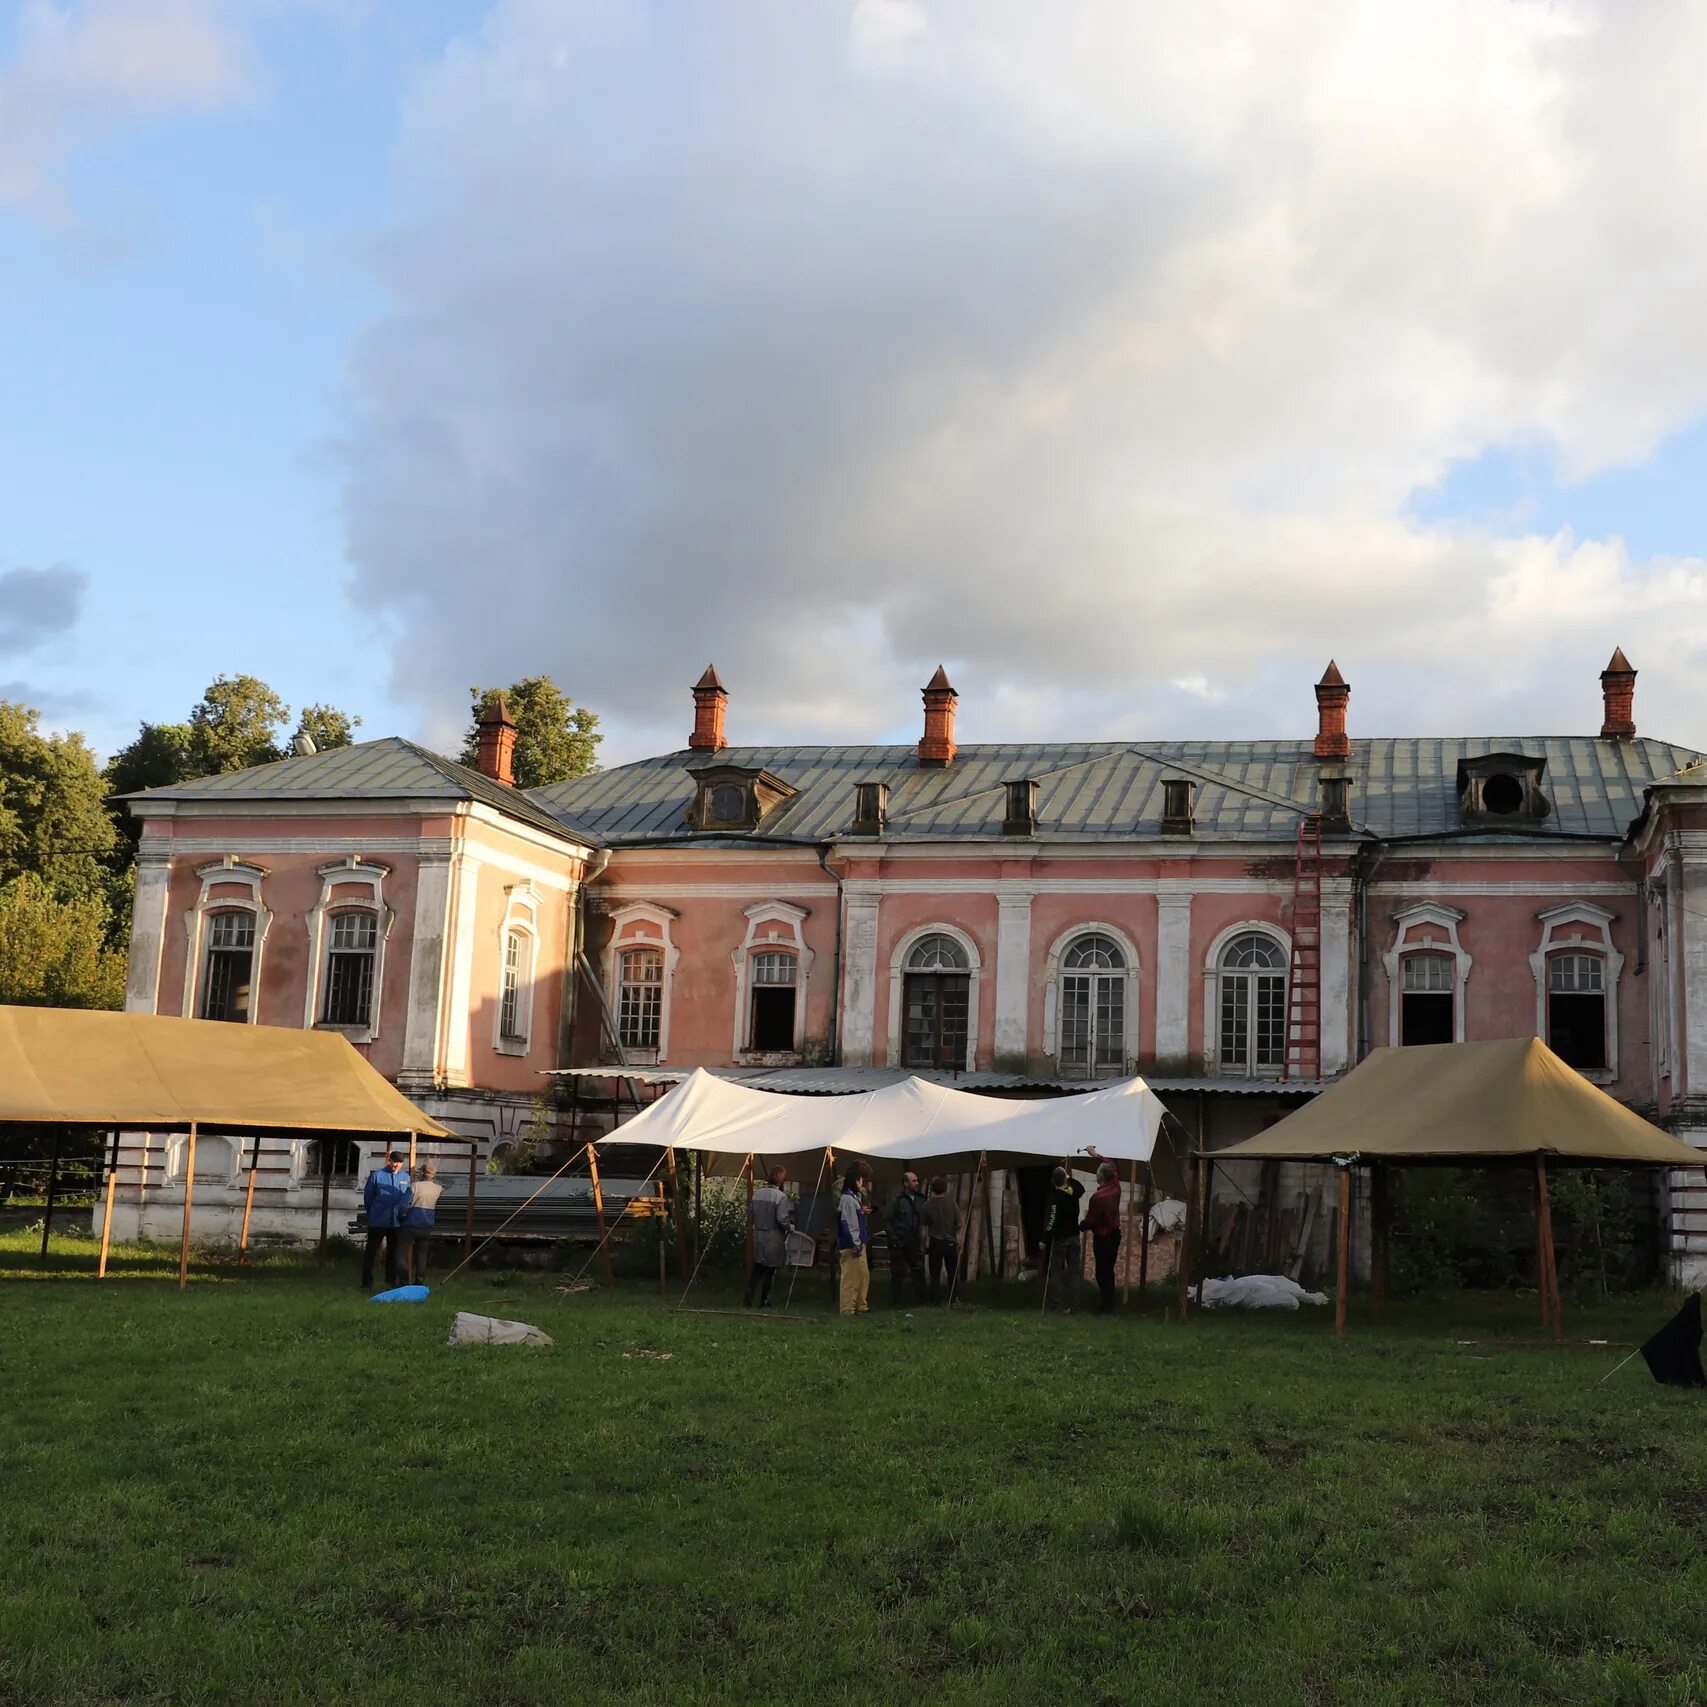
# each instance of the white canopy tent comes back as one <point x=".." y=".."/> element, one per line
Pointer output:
<point x="911" y="1122"/>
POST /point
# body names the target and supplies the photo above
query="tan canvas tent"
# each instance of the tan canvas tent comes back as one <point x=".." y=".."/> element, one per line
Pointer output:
<point x="150" y="1073"/>
<point x="1465" y="1103"/>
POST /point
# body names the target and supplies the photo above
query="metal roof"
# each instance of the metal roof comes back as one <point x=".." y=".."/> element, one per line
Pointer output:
<point x="849" y="1081"/>
<point x="1246" y="791"/>
<point x="387" y="769"/>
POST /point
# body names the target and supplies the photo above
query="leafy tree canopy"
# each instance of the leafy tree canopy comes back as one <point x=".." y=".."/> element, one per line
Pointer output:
<point x="327" y="727"/>
<point x="53" y="952"/>
<point x="235" y="724"/>
<point x="555" y="738"/>
<point x="53" y="819"/>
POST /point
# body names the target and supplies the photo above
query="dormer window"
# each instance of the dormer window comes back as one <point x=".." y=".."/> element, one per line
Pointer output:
<point x="734" y="797"/>
<point x="1503" y="788"/>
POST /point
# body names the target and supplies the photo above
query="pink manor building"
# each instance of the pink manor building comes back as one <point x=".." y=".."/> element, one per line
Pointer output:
<point x="1236" y="920"/>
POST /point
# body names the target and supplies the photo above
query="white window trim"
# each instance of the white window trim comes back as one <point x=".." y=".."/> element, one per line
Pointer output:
<point x="624" y="936"/>
<point x="1212" y="989"/>
<point x="352" y="871"/>
<point x="228" y="871"/>
<point x="781" y="925"/>
<point x="1583" y="928"/>
<point x="897" y="987"/>
<point x="521" y="916"/>
<point x="1431" y="915"/>
<point x="1052" y="975"/>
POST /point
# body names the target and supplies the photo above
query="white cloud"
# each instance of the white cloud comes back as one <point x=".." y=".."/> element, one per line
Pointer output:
<point x="1095" y="351"/>
<point x="78" y="72"/>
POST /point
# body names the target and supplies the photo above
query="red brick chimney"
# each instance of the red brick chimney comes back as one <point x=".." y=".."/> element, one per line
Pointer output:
<point x="937" y="747"/>
<point x="709" y="701"/>
<point x="497" y="741"/>
<point x="1618" y="689"/>
<point x="1332" y="693"/>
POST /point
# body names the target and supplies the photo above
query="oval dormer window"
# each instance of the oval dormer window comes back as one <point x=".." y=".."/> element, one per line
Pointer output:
<point x="1502" y="794"/>
<point x="728" y="804"/>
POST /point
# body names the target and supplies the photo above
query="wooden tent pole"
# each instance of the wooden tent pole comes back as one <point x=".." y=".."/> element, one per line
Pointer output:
<point x="1131" y="1204"/>
<point x="599" y="1210"/>
<point x="411" y="1155"/>
<point x="1543" y="1290"/>
<point x="189" y="1194"/>
<point x="676" y="1215"/>
<point x="249" y="1198"/>
<point x="1183" y="1264"/>
<point x="468" y="1217"/>
<point x="52" y="1193"/>
<point x="1203" y="1226"/>
<point x="1551" y="1255"/>
<point x="747" y="1173"/>
<point x="107" y="1219"/>
<point x="835" y="1263"/>
<point x="1343" y="1260"/>
<point x="1144" y="1240"/>
<point x="1378" y="1213"/>
<point x="326" y="1199"/>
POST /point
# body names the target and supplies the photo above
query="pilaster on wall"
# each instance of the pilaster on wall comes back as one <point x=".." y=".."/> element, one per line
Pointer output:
<point x="1013" y="980"/>
<point x="1336" y="1016"/>
<point x="147" y="930"/>
<point x="1691" y="949"/>
<point x="859" y="980"/>
<point x="1173" y="980"/>
<point x="430" y="938"/>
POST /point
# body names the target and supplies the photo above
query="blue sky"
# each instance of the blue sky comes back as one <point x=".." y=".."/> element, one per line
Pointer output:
<point x="378" y="349"/>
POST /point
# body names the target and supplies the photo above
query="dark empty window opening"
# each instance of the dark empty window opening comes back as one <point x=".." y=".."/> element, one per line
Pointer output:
<point x="1502" y="794"/>
<point x="1427" y="1004"/>
<point x="773" y="1002"/>
<point x="349" y="970"/>
<point x="344" y="1155"/>
<point x="1576" y="1010"/>
<point x="230" y="966"/>
<point x="728" y="804"/>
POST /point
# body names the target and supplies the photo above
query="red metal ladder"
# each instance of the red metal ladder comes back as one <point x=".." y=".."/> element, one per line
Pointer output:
<point x="1304" y="985"/>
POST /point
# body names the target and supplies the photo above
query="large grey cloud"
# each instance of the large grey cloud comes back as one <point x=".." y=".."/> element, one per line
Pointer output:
<point x="38" y="605"/>
<point x="1097" y="351"/>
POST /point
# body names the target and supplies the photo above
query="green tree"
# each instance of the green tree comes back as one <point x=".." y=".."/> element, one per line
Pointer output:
<point x="53" y="818"/>
<point x="159" y="755"/>
<point x="54" y="952"/>
<point x="555" y="738"/>
<point x="235" y="724"/>
<point x="327" y="727"/>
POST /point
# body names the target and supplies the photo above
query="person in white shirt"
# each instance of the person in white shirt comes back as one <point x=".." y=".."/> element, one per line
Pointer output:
<point x="418" y="1225"/>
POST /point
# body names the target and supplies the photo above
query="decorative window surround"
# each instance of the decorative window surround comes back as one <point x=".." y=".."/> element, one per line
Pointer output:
<point x="337" y="879"/>
<point x="771" y="925"/>
<point x="233" y="874"/>
<point x="177" y="1153"/>
<point x="1426" y="928"/>
<point x="1212" y="983"/>
<point x="897" y="987"/>
<point x="521" y="918"/>
<point x="1052" y="987"/>
<point x="1587" y="929"/>
<point x="642" y="924"/>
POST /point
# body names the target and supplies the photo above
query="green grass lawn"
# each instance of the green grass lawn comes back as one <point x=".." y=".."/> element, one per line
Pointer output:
<point x="268" y="1490"/>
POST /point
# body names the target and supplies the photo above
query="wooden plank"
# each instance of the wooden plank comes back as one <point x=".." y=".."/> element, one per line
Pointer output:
<point x="599" y="1210"/>
<point x="107" y="1218"/>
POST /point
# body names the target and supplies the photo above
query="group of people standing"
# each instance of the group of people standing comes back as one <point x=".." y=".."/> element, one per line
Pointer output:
<point x="924" y="1239"/>
<point x="402" y="1209"/>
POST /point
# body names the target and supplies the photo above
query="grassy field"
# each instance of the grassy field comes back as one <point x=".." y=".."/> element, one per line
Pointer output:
<point x="268" y="1490"/>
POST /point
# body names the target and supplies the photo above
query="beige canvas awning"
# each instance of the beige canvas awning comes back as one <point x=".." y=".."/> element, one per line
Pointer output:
<point x="145" y="1072"/>
<point x="1466" y="1102"/>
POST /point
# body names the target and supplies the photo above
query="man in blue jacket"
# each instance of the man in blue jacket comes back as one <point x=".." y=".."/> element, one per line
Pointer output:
<point x="386" y="1198"/>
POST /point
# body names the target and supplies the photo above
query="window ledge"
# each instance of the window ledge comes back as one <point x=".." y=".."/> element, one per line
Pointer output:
<point x="636" y="1058"/>
<point x="768" y="1058"/>
<point x="511" y="1046"/>
<point x="355" y="1033"/>
<point x="1599" y="1075"/>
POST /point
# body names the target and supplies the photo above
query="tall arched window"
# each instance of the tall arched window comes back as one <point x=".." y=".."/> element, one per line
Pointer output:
<point x="349" y="969"/>
<point x="1093" y="1007"/>
<point x="229" y="973"/>
<point x="1576" y="1009"/>
<point x="1252" y="979"/>
<point x="513" y="1001"/>
<point x="640" y="998"/>
<point x="772" y="975"/>
<point x="1426" y="998"/>
<point x="937" y="992"/>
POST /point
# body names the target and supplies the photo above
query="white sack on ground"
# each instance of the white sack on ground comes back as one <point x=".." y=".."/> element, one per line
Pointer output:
<point x="1168" y="1216"/>
<point x="469" y="1329"/>
<point x="1258" y="1292"/>
<point x="913" y="1121"/>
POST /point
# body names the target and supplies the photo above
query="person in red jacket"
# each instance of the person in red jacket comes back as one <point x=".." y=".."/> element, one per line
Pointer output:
<point x="1102" y="1222"/>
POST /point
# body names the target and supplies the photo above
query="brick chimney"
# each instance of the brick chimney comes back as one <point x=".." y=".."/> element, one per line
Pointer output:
<point x="937" y="745"/>
<point x="497" y="741"/>
<point x="1332" y="693"/>
<point x="709" y="701"/>
<point x="1618" y="689"/>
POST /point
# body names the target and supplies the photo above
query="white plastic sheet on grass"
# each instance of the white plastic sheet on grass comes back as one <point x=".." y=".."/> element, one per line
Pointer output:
<point x="1258" y="1292"/>
<point x="469" y="1329"/>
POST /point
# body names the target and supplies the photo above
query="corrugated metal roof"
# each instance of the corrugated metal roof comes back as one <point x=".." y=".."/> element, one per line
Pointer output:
<point x="1107" y="791"/>
<point x="849" y="1081"/>
<point x="387" y="769"/>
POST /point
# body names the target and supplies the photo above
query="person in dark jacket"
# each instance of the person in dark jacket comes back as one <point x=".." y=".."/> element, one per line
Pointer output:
<point x="942" y="1234"/>
<point x="906" y="1224"/>
<point x="1064" y="1262"/>
<point x="1102" y="1222"/>
<point x="386" y="1198"/>
<point x="419" y="1223"/>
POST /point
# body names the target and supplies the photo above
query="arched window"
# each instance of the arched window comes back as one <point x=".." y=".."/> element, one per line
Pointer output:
<point x="1093" y="1007"/>
<point x="773" y="975"/>
<point x="228" y="976"/>
<point x="349" y="969"/>
<point x="1252" y="1005"/>
<point x="513" y="994"/>
<point x="640" y="997"/>
<point x="1576" y="1009"/>
<point x="1427" y="998"/>
<point x="937" y="989"/>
